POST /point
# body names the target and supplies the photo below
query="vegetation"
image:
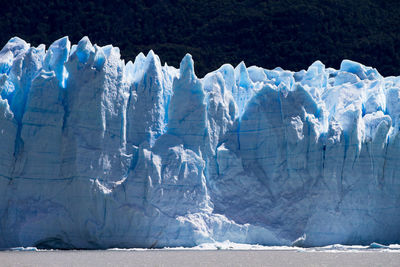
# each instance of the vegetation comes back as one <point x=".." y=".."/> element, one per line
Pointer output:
<point x="288" y="33"/>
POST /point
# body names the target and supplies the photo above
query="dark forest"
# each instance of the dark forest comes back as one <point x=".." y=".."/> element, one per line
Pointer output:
<point x="291" y="34"/>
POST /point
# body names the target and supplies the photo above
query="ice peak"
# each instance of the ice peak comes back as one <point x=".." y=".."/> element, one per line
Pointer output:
<point x="187" y="68"/>
<point x="84" y="49"/>
<point x="242" y="76"/>
<point x="56" y="56"/>
<point x="152" y="64"/>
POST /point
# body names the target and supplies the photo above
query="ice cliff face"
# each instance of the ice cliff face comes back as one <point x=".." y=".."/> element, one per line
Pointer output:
<point x="96" y="153"/>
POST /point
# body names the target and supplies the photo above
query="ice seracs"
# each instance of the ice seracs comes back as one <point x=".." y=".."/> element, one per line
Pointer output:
<point x="99" y="153"/>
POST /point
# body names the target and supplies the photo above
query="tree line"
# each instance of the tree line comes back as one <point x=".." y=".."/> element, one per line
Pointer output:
<point x="289" y="33"/>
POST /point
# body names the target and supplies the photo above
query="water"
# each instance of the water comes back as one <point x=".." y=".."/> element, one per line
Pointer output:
<point x="200" y="258"/>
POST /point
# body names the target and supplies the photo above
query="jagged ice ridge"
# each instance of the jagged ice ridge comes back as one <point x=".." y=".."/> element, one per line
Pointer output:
<point x="96" y="153"/>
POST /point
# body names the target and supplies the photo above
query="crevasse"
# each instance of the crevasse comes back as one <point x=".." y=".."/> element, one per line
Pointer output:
<point x="96" y="153"/>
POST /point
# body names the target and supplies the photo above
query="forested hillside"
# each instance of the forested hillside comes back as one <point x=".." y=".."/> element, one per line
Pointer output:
<point x="291" y="34"/>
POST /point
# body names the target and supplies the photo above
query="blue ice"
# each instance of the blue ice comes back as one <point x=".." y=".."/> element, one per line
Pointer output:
<point x="99" y="153"/>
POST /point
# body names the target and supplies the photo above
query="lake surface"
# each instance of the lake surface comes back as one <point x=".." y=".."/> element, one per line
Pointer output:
<point x="199" y="258"/>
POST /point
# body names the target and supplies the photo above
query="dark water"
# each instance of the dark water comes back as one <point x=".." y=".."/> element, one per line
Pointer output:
<point x="197" y="258"/>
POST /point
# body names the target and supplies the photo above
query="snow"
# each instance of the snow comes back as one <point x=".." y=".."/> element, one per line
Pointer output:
<point x="96" y="153"/>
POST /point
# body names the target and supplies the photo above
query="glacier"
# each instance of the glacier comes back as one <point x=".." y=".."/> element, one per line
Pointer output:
<point x="99" y="153"/>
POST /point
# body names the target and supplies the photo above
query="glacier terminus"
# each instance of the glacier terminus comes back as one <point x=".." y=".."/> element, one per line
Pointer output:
<point x="99" y="153"/>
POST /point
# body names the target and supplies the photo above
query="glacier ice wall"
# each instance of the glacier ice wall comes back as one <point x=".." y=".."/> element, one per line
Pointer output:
<point x="96" y="153"/>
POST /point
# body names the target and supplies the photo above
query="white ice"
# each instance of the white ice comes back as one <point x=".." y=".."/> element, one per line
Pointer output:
<point x="96" y="153"/>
